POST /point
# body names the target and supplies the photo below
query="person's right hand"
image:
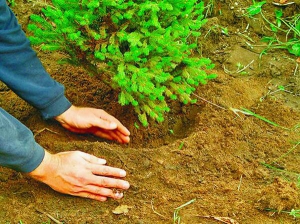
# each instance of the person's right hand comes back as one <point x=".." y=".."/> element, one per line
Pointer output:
<point x="81" y="174"/>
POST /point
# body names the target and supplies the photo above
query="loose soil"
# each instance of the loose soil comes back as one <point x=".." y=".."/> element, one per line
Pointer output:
<point x="213" y="155"/>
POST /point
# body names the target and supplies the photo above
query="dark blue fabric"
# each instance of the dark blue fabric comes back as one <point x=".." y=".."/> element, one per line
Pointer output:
<point x="18" y="149"/>
<point x="22" y="71"/>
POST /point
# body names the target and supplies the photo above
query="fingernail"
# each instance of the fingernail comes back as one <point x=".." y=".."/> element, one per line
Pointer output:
<point x="122" y="173"/>
<point x="102" y="161"/>
<point x="127" y="131"/>
<point x="103" y="199"/>
<point x="126" y="185"/>
<point x="126" y="139"/>
<point x="119" y="195"/>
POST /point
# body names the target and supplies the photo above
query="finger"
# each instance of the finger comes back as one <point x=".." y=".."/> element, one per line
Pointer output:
<point x="110" y="135"/>
<point x="125" y="138"/>
<point x="107" y="171"/>
<point x="91" y="196"/>
<point x="108" y="182"/>
<point x="105" y="116"/>
<point x="104" y="134"/>
<point x="93" y="159"/>
<point x="75" y="130"/>
<point x="104" y="192"/>
<point x="117" y="135"/>
<point x="102" y="123"/>
<point x="123" y="129"/>
<point x="114" y="134"/>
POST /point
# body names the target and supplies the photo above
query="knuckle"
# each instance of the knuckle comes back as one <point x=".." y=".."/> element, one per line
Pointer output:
<point x="105" y="170"/>
<point x="92" y="196"/>
<point x="75" y="190"/>
<point x="80" y="180"/>
<point x="105" y="182"/>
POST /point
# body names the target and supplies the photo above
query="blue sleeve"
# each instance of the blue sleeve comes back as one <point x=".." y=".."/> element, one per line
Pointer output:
<point x="22" y="71"/>
<point x="18" y="149"/>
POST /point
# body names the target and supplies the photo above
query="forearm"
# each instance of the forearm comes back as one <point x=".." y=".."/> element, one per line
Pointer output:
<point x="18" y="149"/>
<point x="23" y="72"/>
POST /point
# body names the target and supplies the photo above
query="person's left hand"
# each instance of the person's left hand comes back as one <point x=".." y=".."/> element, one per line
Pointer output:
<point x="93" y="121"/>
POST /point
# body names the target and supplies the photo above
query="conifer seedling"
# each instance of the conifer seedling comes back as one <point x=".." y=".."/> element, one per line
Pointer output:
<point x="142" y="49"/>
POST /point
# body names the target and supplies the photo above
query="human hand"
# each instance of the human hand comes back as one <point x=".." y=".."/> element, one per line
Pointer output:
<point x="94" y="121"/>
<point x="80" y="174"/>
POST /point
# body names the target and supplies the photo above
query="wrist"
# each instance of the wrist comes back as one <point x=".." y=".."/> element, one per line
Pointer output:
<point x="62" y="117"/>
<point x="40" y="173"/>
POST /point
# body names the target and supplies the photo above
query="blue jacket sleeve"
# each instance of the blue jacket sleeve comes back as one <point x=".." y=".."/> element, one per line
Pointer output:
<point x="22" y="71"/>
<point x="18" y="149"/>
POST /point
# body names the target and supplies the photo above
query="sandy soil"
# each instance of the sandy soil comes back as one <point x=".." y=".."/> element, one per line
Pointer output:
<point x="214" y="155"/>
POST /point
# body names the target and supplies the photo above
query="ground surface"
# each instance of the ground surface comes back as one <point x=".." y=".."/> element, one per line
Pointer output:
<point x="213" y="156"/>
